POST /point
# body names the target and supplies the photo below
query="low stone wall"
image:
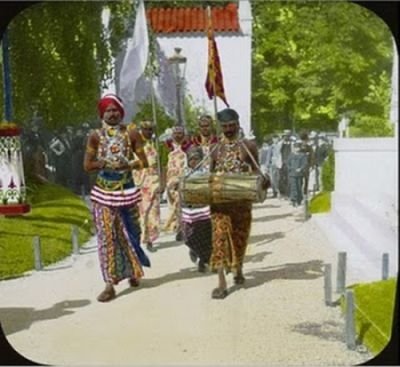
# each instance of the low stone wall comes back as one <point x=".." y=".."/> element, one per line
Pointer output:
<point x="367" y="169"/>
<point x="363" y="221"/>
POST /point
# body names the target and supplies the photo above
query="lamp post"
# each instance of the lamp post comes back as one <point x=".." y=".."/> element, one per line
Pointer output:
<point x="12" y="181"/>
<point x="178" y="63"/>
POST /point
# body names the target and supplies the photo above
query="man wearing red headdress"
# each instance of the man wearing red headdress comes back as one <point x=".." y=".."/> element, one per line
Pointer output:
<point x="110" y="152"/>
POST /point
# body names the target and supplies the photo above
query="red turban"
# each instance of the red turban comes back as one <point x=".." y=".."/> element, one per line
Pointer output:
<point x="110" y="99"/>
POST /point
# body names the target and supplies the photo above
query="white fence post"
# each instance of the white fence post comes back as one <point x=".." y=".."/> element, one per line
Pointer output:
<point x="385" y="266"/>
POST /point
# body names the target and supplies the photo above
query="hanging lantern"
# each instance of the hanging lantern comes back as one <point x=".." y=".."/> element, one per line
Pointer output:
<point x="12" y="182"/>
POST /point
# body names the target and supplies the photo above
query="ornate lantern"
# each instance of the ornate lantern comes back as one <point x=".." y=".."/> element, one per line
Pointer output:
<point x="12" y="182"/>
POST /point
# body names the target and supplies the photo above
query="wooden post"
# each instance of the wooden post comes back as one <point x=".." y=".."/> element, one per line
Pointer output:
<point x="341" y="273"/>
<point x="75" y="240"/>
<point x="328" y="284"/>
<point x="83" y="193"/>
<point x="385" y="266"/>
<point x="37" y="253"/>
<point x="306" y="208"/>
<point x="350" y="323"/>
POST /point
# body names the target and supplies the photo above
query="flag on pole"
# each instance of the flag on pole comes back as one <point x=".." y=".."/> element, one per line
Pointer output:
<point x="135" y="59"/>
<point x="214" y="81"/>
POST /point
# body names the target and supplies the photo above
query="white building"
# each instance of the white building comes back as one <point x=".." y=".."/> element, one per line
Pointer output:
<point x="186" y="28"/>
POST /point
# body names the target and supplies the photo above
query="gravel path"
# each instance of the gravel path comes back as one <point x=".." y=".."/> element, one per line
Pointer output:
<point x="277" y="318"/>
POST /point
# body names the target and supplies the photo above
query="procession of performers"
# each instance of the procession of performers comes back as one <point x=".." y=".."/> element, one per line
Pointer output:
<point x="126" y="195"/>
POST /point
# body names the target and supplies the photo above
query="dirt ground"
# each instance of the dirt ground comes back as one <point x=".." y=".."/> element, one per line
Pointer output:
<point x="278" y="317"/>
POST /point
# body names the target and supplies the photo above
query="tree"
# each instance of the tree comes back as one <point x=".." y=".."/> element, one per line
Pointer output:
<point x="59" y="57"/>
<point x="314" y="62"/>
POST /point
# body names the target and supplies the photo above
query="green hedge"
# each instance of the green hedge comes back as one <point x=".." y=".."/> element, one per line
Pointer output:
<point x="328" y="172"/>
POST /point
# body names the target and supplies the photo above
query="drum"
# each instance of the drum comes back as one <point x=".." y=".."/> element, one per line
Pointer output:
<point x="218" y="189"/>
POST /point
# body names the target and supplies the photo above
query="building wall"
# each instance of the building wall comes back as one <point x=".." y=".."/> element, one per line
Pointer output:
<point x="367" y="169"/>
<point x="235" y="57"/>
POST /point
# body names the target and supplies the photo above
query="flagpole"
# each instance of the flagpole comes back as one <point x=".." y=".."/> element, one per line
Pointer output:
<point x="154" y="111"/>
<point x="153" y="105"/>
<point x="211" y="28"/>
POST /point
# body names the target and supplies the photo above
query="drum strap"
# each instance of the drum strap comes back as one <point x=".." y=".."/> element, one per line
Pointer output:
<point x="254" y="161"/>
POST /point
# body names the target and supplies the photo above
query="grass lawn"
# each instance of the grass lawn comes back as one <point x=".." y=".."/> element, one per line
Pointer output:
<point x="320" y="203"/>
<point x="54" y="210"/>
<point x="374" y="313"/>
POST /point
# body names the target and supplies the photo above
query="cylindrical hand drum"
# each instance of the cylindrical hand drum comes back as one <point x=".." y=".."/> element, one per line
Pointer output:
<point x="218" y="189"/>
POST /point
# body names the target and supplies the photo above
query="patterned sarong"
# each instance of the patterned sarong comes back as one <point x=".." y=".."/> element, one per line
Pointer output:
<point x="118" y="239"/>
<point x="231" y="230"/>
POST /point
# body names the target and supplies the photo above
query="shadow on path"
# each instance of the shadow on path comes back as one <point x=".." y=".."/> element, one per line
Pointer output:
<point x="14" y="319"/>
<point x="266" y="206"/>
<point x="294" y="271"/>
<point x="183" y="274"/>
<point x="328" y="330"/>
<point x="256" y="257"/>
<point x="262" y="239"/>
<point x="268" y="218"/>
<point x="168" y="244"/>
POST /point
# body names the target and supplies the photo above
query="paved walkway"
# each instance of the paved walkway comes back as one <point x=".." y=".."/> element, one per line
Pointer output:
<point x="277" y="318"/>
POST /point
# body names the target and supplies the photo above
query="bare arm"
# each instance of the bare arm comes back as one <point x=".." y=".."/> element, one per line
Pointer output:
<point x="252" y="147"/>
<point x="91" y="163"/>
<point x="137" y="146"/>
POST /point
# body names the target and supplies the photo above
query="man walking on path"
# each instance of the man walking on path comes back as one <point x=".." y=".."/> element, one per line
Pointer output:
<point x="110" y="152"/>
<point x="177" y="146"/>
<point x="149" y="182"/>
<point x="205" y="138"/>
<point x="297" y="166"/>
<point x="286" y="148"/>
<point x="307" y="149"/>
<point x="231" y="221"/>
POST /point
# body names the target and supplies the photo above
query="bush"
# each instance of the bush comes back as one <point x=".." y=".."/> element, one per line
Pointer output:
<point x="328" y="172"/>
<point x="321" y="203"/>
<point x="371" y="126"/>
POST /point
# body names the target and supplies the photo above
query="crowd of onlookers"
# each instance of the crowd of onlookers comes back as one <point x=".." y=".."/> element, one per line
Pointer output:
<point x="294" y="163"/>
<point x="57" y="155"/>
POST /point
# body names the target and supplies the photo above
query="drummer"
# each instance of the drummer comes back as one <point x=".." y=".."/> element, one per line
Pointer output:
<point x="231" y="221"/>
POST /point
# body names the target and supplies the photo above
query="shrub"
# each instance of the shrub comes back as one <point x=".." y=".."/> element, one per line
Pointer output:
<point x="328" y="172"/>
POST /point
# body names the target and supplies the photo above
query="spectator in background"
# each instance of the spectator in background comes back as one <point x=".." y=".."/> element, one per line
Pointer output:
<point x="276" y="164"/>
<point x="321" y="153"/>
<point x="307" y="149"/>
<point x="286" y="148"/>
<point x="265" y="155"/>
<point x="297" y="164"/>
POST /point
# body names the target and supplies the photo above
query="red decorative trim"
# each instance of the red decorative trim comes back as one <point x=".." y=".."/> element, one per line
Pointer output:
<point x="14" y="209"/>
<point x="10" y="131"/>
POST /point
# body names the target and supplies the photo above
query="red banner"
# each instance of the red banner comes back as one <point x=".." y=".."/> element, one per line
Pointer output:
<point x="214" y="81"/>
